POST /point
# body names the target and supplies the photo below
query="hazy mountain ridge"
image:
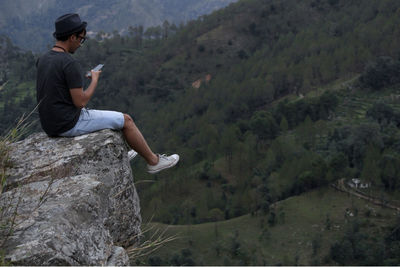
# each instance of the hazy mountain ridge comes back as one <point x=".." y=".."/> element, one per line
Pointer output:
<point x="30" y="23"/>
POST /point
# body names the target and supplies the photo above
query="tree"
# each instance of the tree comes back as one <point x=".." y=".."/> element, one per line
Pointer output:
<point x="353" y="141"/>
<point x="166" y="26"/>
<point x="281" y="84"/>
<point x="390" y="170"/>
<point x="306" y="132"/>
<point x="382" y="113"/>
<point x="228" y="143"/>
<point x="137" y="34"/>
<point x="327" y="103"/>
<point x="216" y="215"/>
<point x="284" y="125"/>
<point x="263" y="124"/>
<point x="272" y="218"/>
<point x="383" y="71"/>
<point x="338" y="164"/>
<point x="371" y="170"/>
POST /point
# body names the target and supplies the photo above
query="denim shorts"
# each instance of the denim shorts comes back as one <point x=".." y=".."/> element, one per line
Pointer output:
<point x="91" y="120"/>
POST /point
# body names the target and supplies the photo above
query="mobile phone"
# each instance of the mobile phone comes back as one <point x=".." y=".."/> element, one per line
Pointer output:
<point x="97" y="68"/>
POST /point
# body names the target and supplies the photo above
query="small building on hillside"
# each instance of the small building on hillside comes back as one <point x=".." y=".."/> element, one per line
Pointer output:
<point x="358" y="183"/>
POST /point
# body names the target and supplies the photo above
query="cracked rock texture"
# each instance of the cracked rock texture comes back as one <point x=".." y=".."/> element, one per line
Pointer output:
<point x="75" y="201"/>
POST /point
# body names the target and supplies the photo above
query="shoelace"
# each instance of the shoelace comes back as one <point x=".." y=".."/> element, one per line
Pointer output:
<point x="164" y="156"/>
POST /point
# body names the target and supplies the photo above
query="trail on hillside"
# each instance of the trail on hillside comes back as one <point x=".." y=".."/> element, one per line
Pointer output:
<point x="340" y="185"/>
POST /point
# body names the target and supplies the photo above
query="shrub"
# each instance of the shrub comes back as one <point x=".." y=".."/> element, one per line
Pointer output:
<point x="383" y="114"/>
<point x="264" y="125"/>
<point x="382" y="72"/>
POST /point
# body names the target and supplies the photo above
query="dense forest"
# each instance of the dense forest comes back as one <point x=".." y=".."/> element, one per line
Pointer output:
<point x="266" y="102"/>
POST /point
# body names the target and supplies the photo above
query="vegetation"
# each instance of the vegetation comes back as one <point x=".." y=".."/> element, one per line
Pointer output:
<point x="310" y="229"/>
<point x="9" y="206"/>
<point x="268" y="103"/>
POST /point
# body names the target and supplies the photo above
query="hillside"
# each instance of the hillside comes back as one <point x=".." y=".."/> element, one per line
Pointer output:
<point x="304" y="231"/>
<point x="30" y="23"/>
<point x="266" y="102"/>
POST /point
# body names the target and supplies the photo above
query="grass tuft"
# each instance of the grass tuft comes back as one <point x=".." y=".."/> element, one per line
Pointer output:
<point x="8" y="207"/>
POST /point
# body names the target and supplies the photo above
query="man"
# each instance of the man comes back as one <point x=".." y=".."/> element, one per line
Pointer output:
<point x="62" y="100"/>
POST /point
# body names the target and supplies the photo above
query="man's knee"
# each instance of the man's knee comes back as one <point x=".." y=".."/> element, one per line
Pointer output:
<point x="128" y="121"/>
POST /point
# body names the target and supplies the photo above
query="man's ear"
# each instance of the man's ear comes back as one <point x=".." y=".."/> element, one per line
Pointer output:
<point x="72" y="38"/>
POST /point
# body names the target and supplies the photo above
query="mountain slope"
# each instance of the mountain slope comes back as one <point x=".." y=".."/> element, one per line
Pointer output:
<point x="303" y="231"/>
<point x="30" y="23"/>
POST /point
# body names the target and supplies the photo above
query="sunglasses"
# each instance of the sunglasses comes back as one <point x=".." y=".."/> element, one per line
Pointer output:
<point x="83" y="39"/>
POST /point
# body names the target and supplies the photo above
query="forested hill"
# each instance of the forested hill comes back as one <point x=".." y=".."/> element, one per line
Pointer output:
<point x="264" y="101"/>
<point x="28" y="23"/>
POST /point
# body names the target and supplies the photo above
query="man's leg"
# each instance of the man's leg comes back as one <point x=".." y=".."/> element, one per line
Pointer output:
<point x="136" y="141"/>
<point x="95" y="120"/>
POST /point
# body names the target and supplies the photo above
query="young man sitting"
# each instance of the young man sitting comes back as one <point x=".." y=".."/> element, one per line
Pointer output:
<point x="62" y="100"/>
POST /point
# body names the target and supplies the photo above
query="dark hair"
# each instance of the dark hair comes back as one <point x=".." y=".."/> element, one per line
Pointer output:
<point x="66" y="37"/>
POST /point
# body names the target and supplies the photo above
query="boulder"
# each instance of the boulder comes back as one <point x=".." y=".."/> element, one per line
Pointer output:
<point x="73" y="199"/>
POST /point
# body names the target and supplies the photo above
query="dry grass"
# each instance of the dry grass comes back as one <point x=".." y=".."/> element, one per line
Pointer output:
<point x="8" y="207"/>
<point x="152" y="238"/>
<point x="156" y="240"/>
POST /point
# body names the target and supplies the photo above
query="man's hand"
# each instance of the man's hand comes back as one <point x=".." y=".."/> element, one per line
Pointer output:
<point x="95" y="75"/>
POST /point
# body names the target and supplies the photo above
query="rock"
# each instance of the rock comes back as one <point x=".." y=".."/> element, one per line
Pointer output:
<point x="76" y="201"/>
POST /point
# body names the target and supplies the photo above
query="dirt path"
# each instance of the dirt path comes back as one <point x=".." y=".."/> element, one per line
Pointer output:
<point x="340" y="185"/>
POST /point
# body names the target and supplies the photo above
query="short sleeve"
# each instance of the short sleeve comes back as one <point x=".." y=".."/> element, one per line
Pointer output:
<point x="73" y="75"/>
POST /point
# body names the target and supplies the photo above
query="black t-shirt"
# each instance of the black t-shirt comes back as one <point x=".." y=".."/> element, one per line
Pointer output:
<point x="57" y="73"/>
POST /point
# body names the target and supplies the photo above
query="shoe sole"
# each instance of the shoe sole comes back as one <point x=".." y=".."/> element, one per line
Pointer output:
<point x="163" y="168"/>
<point x="132" y="157"/>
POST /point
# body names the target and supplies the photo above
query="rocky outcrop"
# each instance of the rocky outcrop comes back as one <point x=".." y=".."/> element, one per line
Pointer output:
<point x="76" y="201"/>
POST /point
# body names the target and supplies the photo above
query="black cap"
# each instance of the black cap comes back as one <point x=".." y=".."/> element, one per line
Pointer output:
<point x="68" y="24"/>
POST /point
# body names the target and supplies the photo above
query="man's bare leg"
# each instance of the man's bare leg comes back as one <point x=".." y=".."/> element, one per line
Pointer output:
<point x="136" y="141"/>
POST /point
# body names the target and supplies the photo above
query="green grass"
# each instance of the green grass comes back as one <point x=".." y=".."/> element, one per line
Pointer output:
<point x="301" y="220"/>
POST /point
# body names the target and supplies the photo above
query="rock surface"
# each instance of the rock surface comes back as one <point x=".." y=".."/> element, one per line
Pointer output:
<point x="76" y="201"/>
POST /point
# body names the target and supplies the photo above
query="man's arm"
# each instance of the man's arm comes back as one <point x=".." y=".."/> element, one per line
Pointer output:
<point x="80" y="98"/>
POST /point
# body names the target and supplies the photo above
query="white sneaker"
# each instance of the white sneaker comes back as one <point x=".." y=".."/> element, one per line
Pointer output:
<point x="164" y="162"/>
<point x="132" y="154"/>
